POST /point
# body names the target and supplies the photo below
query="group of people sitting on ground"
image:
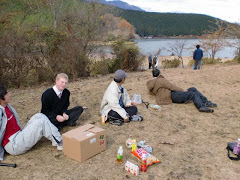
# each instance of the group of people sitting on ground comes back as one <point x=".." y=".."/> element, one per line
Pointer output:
<point x="53" y="117"/>
<point x="116" y="105"/>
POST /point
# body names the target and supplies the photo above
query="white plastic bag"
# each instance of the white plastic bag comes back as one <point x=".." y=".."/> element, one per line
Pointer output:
<point x="137" y="99"/>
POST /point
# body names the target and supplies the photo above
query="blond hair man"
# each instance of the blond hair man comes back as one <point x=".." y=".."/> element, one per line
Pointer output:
<point x="55" y="102"/>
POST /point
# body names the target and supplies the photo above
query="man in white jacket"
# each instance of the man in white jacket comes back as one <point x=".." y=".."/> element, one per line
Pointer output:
<point x="17" y="140"/>
<point x="116" y="104"/>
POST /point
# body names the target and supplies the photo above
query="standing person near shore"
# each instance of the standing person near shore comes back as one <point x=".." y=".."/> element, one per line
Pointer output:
<point x="150" y="61"/>
<point x="197" y="57"/>
<point x="17" y="140"/>
<point x="155" y="59"/>
<point x="55" y="102"/>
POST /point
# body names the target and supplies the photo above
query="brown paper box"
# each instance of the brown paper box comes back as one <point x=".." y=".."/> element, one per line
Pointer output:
<point x="84" y="142"/>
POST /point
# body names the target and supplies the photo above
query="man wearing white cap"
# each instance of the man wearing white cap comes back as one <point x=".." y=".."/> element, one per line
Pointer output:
<point x="116" y="104"/>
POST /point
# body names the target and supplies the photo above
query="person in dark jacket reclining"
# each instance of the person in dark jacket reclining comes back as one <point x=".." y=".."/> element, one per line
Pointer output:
<point x="167" y="93"/>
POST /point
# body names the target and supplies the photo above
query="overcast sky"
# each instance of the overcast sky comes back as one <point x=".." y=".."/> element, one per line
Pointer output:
<point x="228" y="10"/>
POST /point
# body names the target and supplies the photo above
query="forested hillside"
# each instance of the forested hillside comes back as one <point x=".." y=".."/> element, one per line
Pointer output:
<point x="167" y="24"/>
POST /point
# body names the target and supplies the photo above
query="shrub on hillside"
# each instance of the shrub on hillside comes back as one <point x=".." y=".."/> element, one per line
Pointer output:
<point x="206" y="61"/>
<point x="127" y="57"/>
<point x="100" y="66"/>
<point x="170" y="63"/>
<point x="19" y="56"/>
<point x="37" y="56"/>
<point x="238" y="58"/>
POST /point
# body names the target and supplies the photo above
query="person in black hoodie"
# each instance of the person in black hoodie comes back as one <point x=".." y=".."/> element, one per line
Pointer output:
<point x="55" y="102"/>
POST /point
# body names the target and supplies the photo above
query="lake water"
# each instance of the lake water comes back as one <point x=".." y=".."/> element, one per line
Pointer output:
<point x="151" y="46"/>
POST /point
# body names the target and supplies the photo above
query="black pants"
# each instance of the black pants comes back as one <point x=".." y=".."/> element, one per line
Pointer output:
<point x="73" y="114"/>
<point x="191" y="95"/>
<point x="150" y="65"/>
<point x="132" y="110"/>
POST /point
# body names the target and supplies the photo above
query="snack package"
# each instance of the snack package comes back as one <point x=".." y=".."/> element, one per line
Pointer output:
<point x="141" y="144"/>
<point x="129" y="143"/>
<point x="150" y="159"/>
<point x="132" y="168"/>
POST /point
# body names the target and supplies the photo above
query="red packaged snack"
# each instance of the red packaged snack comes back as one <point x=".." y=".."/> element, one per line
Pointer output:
<point x="150" y="159"/>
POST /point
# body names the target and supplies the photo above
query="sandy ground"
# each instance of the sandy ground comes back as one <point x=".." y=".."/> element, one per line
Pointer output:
<point x="197" y="140"/>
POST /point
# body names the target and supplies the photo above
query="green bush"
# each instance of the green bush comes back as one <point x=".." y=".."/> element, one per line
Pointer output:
<point x="100" y="67"/>
<point x="170" y="63"/>
<point x="210" y="61"/>
<point x="206" y="61"/>
<point x="238" y="58"/>
<point x="127" y="57"/>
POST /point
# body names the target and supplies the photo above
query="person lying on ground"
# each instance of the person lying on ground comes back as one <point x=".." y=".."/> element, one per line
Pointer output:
<point x="116" y="103"/>
<point x="17" y="140"/>
<point x="55" y="102"/>
<point x="167" y="93"/>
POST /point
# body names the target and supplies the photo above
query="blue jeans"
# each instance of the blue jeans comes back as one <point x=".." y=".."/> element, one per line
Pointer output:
<point x="191" y="95"/>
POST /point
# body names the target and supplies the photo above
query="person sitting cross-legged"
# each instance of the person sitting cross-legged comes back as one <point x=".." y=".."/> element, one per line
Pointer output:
<point x="55" y="102"/>
<point x="167" y="93"/>
<point x="17" y="140"/>
<point x="116" y="103"/>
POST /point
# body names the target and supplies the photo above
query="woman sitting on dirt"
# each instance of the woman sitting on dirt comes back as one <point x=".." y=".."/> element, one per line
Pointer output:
<point x="116" y="104"/>
<point x="16" y="140"/>
<point x="167" y="93"/>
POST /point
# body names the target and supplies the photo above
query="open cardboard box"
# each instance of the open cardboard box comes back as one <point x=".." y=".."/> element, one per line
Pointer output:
<point x="84" y="142"/>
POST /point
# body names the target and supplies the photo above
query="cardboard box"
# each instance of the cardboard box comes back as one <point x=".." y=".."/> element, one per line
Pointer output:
<point x="84" y="142"/>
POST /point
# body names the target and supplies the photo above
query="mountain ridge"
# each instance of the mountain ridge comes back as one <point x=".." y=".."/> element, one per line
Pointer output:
<point x="119" y="4"/>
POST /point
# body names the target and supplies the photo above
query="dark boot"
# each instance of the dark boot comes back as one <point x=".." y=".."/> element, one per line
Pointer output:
<point x="206" y="109"/>
<point x="210" y="104"/>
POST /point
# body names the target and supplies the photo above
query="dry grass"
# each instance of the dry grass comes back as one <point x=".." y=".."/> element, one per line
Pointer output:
<point x="199" y="139"/>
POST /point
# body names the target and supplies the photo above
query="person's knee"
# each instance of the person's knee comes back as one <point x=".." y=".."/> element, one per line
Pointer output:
<point x="134" y="108"/>
<point x="79" y="108"/>
<point x="193" y="89"/>
<point x="39" y="118"/>
<point x="191" y="95"/>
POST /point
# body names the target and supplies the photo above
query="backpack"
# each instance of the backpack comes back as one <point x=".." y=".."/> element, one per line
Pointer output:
<point x="230" y="147"/>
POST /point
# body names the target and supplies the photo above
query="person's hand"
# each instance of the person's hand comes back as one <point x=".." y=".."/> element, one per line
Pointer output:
<point x="133" y="104"/>
<point x="126" y="120"/>
<point x="66" y="117"/>
<point x="128" y="105"/>
<point x="60" y="118"/>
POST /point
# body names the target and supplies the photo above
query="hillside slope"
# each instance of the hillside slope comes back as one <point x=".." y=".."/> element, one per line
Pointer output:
<point x="190" y="144"/>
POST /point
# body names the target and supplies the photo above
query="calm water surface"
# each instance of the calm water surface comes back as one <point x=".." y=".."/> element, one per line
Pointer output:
<point x="151" y="46"/>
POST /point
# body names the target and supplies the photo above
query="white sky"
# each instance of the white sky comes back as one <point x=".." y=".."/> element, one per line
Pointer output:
<point x="228" y="10"/>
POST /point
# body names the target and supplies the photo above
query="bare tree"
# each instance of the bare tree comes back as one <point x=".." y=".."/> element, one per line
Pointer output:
<point x="214" y="40"/>
<point x="55" y="6"/>
<point x="178" y="47"/>
<point x="233" y="30"/>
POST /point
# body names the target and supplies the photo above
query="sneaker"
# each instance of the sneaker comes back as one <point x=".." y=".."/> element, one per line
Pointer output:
<point x="210" y="104"/>
<point x="59" y="145"/>
<point x="136" y="118"/>
<point x="206" y="109"/>
<point x="116" y="122"/>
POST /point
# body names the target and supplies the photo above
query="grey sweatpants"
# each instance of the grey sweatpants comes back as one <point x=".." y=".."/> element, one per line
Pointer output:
<point x="37" y="127"/>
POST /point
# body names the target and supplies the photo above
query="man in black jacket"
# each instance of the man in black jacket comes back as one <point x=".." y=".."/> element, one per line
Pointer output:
<point x="55" y="102"/>
<point x="197" y="57"/>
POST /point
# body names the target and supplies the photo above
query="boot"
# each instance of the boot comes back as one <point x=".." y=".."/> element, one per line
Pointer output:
<point x="206" y="109"/>
<point x="210" y="104"/>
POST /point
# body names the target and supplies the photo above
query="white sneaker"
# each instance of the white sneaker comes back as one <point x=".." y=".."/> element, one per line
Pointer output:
<point x="136" y="118"/>
<point x="59" y="146"/>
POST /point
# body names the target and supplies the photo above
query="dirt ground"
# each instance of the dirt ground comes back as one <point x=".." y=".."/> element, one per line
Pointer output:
<point x="191" y="145"/>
